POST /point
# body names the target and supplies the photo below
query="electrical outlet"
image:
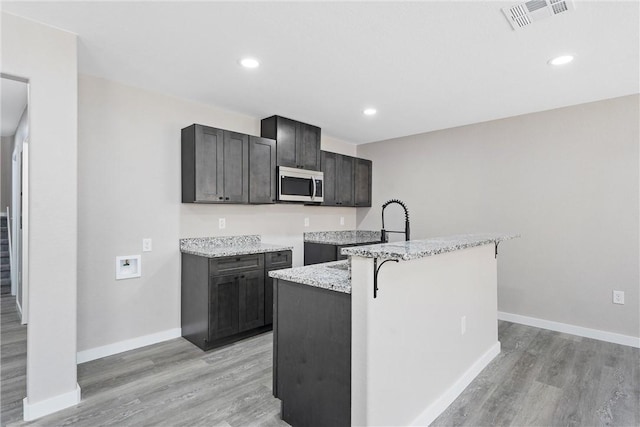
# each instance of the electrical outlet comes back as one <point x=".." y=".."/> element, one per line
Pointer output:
<point x="341" y="220"/>
<point x="306" y="222"/>
<point x="463" y="325"/>
<point x="618" y="297"/>
<point x="146" y="245"/>
<point x="222" y="223"/>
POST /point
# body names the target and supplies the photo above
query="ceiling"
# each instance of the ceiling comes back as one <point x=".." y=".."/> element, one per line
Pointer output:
<point x="14" y="101"/>
<point x="423" y="65"/>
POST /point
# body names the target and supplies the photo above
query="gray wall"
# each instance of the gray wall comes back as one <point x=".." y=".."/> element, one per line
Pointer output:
<point x="47" y="57"/>
<point x="566" y="179"/>
<point x="6" y="153"/>
<point x="129" y="189"/>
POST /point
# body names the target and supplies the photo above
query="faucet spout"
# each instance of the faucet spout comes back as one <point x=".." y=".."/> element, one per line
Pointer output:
<point x="407" y="231"/>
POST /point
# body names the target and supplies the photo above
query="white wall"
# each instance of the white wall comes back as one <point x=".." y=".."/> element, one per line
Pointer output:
<point x="409" y="357"/>
<point x="129" y="189"/>
<point x="47" y="57"/>
<point x="6" y="152"/>
<point x="566" y="179"/>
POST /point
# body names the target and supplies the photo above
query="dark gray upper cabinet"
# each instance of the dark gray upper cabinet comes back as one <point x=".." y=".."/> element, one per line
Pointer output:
<point x="345" y="178"/>
<point x="262" y="170"/>
<point x="215" y="165"/>
<point x="362" y="184"/>
<point x="329" y="166"/>
<point x="338" y="179"/>
<point x="297" y="144"/>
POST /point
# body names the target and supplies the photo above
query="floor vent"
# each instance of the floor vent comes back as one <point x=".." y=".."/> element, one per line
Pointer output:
<point x="524" y="14"/>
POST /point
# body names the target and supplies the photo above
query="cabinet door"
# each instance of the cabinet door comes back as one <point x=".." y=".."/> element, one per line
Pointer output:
<point x="251" y="288"/>
<point x="309" y="147"/>
<point x="363" y="182"/>
<point x="286" y="139"/>
<point x="344" y="181"/>
<point x="209" y="180"/>
<point x="236" y="167"/>
<point x="329" y="167"/>
<point x="223" y="306"/>
<point x="262" y="170"/>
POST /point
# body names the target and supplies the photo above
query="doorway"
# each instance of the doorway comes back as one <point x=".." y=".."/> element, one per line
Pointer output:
<point x="14" y="185"/>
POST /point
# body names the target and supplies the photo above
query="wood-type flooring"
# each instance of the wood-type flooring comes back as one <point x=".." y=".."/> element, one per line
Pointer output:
<point x="541" y="378"/>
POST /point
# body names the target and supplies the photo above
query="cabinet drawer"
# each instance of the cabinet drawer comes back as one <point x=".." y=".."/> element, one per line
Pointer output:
<point x="235" y="264"/>
<point x="279" y="259"/>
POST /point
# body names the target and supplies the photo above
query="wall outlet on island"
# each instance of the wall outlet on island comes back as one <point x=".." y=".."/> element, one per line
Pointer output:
<point x="463" y="325"/>
<point x="306" y="222"/>
<point x="618" y="297"/>
<point x="222" y="223"/>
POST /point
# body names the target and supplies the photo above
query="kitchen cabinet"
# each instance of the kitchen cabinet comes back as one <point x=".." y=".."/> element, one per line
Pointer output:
<point x="339" y="179"/>
<point x="362" y="182"/>
<point x="273" y="261"/>
<point x="215" y="165"/>
<point x="316" y="253"/>
<point x="297" y="143"/>
<point x="262" y="170"/>
<point x="226" y="299"/>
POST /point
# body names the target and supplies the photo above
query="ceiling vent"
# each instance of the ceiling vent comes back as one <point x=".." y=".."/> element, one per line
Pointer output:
<point x="524" y="14"/>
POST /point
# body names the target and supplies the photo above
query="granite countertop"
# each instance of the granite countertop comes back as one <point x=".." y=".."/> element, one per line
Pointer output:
<point x="334" y="276"/>
<point x="415" y="249"/>
<point x="213" y="247"/>
<point x="349" y="237"/>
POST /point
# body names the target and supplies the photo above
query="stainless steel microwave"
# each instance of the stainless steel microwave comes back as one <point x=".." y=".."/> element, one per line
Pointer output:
<point x="300" y="185"/>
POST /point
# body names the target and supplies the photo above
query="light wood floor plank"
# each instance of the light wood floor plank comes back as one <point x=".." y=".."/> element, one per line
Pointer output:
<point x="541" y="378"/>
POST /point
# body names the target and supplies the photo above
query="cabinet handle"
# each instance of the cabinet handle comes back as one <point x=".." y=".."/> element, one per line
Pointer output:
<point x="226" y="198"/>
<point x="242" y="277"/>
<point x="237" y="259"/>
<point x="220" y="198"/>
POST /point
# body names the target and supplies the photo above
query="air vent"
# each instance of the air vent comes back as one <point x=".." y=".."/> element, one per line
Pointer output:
<point x="524" y="14"/>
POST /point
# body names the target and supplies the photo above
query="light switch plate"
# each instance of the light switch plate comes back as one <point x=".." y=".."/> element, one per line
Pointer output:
<point x="306" y="222"/>
<point x="146" y="245"/>
<point x="618" y="297"/>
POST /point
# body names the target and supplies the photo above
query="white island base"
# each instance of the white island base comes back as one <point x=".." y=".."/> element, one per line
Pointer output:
<point x="431" y="330"/>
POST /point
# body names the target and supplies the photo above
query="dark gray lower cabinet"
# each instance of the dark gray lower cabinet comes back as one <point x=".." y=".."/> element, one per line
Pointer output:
<point x="312" y="355"/>
<point x="316" y="253"/>
<point x="226" y="299"/>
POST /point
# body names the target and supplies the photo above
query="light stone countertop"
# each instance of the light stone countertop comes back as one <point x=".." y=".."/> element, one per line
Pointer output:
<point x="348" y="237"/>
<point x="213" y="247"/>
<point x="415" y="249"/>
<point x="334" y="276"/>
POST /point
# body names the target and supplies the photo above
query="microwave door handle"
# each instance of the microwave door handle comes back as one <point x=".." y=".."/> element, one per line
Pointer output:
<point x="313" y="183"/>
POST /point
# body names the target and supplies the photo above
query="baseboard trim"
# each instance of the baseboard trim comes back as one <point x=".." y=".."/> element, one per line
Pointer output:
<point x="126" y="345"/>
<point x="33" y="411"/>
<point x="434" y="410"/>
<point x="566" y="328"/>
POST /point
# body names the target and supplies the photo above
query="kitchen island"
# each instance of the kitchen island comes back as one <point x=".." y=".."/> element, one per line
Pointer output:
<point x="343" y="357"/>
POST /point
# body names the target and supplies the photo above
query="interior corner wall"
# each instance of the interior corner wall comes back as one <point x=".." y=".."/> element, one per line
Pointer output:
<point x="47" y="57"/>
<point x="566" y="179"/>
<point x="130" y="188"/>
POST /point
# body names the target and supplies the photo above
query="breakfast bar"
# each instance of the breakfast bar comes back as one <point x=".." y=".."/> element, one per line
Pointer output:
<point x="345" y="357"/>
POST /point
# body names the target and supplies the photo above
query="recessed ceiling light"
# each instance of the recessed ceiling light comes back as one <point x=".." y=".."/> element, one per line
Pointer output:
<point x="249" y="63"/>
<point x="561" y="60"/>
<point x="369" y="111"/>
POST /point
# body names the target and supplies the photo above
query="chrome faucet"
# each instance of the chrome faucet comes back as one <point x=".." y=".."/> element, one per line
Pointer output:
<point x="383" y="232"/>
